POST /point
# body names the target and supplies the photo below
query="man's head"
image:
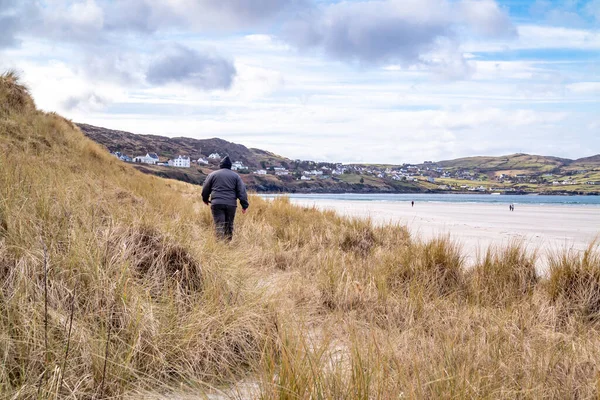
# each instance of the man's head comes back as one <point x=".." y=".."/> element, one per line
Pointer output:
<point x="225" y="163"/>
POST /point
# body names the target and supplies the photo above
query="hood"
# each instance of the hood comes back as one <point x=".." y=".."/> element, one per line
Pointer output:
<point x="225" y="163"/>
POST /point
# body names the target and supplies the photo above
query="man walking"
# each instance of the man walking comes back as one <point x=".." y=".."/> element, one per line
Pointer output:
<point x="224" y="187"/>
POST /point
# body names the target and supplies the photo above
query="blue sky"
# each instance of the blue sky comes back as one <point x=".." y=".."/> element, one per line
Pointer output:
<point x="352" y="81"/>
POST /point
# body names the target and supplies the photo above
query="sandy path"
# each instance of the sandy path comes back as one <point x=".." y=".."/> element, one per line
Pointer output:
<point x="477" y="226"/>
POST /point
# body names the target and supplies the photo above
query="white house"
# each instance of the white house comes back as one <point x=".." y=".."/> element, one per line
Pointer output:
<point x="260" y="172"/>
<point x="180" y="162"/>
<point x="282" y="173"/>
<point x="236" y="166"/>
<point x="215" y="156"/>
<point x="305" y="178"/>
<point x="149" y="158"/>
<point x="313" y="172"/>
<point x="202" y="161"/>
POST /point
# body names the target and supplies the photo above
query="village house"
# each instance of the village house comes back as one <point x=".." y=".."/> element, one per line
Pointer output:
<point x="180" y="162"/>
<point x="122" y="157"/>
<point x="238" y="165"/>
<point x="202" y="161"/>
<point x="215" y="156"/>
<point x="149" y="158"/>
<point x="305" y="178"/>
<point x="260" y="172"/>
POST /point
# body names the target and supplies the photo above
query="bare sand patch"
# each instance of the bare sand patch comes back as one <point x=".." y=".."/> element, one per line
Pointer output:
<point x="544" y="228"/>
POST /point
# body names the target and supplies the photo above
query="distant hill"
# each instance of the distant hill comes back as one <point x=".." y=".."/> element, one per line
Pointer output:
<point x="136" y="144"/>
<point x="586" y="163"/>
<point x="526" y="162"/>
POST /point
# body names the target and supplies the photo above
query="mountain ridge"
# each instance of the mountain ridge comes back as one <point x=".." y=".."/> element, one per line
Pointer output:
<point x="139" y="144"/>
<point x="445" y="175"/>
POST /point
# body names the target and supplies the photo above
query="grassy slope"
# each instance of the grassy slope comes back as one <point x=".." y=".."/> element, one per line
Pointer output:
<point x="303" y="304"/>
<point x="531" y="163"/>
<point x="134" y="144"/>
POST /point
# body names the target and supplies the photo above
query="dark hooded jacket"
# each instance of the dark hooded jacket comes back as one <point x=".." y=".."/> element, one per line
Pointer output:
<point x="225" y="187"/>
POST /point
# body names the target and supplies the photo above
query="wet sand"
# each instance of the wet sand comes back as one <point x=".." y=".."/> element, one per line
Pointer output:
<point x="477" y="226"/>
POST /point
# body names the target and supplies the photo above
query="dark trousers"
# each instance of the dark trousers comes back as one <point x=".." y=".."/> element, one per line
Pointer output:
<point x="223" y="215"/>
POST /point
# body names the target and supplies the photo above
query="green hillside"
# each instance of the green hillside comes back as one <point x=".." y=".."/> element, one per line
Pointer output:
<point x="532" y="163"/>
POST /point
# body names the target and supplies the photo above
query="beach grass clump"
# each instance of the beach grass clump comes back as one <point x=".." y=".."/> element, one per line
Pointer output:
<point x="14" y="96"/>
<point x="574" y="282"/>
<point x="358" y="238"/>
<point x="503" y="275"/>
<point x="424" y="268"/>
<point x="438" y="265"/>
<point x="157" y="258"/>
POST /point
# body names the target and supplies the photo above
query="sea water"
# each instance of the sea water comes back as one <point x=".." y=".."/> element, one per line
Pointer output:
<point x="451" y="198"/>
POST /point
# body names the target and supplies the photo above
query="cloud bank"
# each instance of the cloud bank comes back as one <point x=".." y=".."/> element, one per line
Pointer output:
<point x="395" y="31"/>
<point x="182" y="65"/>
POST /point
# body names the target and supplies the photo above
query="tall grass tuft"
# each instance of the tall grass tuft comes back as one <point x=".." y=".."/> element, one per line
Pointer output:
<point x="504" y="275"/>
<point x="574" y="282"/>
<point x="15" y="96"/>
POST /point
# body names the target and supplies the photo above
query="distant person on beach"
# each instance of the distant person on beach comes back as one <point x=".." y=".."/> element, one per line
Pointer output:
<point x="412" y="203"/>
<point x="221" y="190"/>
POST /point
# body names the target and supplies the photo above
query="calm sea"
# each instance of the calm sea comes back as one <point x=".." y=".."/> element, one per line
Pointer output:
<point x="453" y="198"/>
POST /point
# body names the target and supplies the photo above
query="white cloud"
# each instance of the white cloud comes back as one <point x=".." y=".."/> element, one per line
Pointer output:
<point x="486" y="18"/>
<point x="87" y="102"/>
<point x="182" y="65"/>
<point x="540" y="37"/>
<point x="403" y="32"/>
<point x="585" y="88"/>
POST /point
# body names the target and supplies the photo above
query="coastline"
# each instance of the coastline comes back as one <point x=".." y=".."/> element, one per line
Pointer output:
<point x="440" y="192"/>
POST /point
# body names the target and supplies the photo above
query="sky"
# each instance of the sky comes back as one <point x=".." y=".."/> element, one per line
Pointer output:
<point x="389" y="81"/>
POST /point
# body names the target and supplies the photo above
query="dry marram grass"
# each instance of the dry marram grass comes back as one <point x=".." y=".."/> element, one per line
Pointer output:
<point x="303" y="304"/>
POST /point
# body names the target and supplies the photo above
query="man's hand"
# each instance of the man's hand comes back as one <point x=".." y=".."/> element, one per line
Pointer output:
<point x="244" y="210"/>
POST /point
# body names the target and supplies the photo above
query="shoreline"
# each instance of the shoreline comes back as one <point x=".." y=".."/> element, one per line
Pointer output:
<point x="554" y="194"/>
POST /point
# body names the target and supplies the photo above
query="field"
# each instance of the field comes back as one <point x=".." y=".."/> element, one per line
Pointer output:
<point x="112" y="285"/>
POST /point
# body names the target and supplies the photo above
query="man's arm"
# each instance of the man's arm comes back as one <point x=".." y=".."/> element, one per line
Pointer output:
<point x="206" y="189"/>
<point x="241" y="193"/>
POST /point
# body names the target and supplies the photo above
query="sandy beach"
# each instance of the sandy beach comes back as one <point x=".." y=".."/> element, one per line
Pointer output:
<point x="544" y="228"/>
